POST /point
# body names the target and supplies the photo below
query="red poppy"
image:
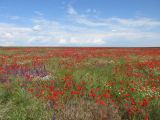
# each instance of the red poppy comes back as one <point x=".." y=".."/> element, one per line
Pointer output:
<point x="73" y="92"/>
<point x="144" y="103"/>
<point x="127" y="105"/>
<point x="106" y="95"/>
<point x="51" y="87"/>
<point x="42" y="92"/>
<point x="102" y="102"/>
<point x="133" y="90"/>
<point x="79" y="87"/>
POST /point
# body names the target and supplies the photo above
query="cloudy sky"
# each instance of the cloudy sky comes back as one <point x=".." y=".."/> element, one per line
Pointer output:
<point x="118" y="23"/>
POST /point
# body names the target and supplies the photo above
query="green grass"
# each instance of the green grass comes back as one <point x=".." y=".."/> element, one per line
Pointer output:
<point x="17" y="104"/>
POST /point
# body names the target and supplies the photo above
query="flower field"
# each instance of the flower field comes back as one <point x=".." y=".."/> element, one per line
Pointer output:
<point x="79" y="83"/>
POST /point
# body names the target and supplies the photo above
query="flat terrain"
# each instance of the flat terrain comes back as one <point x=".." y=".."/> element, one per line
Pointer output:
<point x="79" y="83"/>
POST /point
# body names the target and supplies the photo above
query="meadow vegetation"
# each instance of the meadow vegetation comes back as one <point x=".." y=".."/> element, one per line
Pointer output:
<point x="79" y="83"/>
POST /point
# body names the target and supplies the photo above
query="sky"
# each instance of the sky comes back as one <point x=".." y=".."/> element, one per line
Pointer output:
<point x="88" y="23"/>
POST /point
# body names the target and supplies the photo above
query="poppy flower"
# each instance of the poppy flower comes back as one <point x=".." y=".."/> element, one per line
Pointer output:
<point x="106" y="95"/>
<point x="73" y="92"/>
<point x="102" y="102"/>
<point x="133" y="90"/>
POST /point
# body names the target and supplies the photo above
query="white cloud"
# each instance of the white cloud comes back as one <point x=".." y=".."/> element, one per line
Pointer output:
<point x="36" y="28"/>
<point x="15" y="17"/>
<point x="38" y="13"/>
<point x="112" y="21"/>
<point x="51" y="33"/>
<point x="83" y="31"/>
<point x="7" y="43"/>
<point x="6" y="35"/>
<point x="89" y="10"/>
<point x="139" y="22"/>
<point x="71" y="10"/>
<point x="116" y="22"/>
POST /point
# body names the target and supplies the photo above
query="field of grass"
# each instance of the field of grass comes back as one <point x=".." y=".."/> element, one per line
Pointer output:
<point x="79" y="83"/>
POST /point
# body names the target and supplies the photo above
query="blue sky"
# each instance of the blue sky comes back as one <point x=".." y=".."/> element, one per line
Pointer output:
<point x="118" y="23"/>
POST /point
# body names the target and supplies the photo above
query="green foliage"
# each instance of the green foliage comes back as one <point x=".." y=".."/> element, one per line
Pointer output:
<point x="17" y="104"/>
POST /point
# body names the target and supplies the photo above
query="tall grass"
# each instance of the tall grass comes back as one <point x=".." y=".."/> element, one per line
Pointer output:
<point x="17" y="104"/>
